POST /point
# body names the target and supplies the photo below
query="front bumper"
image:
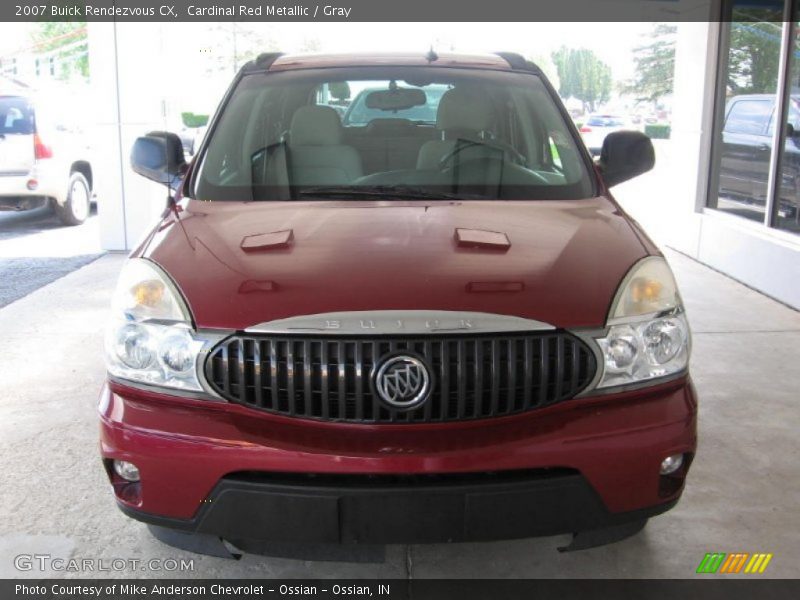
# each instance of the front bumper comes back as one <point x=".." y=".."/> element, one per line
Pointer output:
<point x="235" y="473"/>
<point x="398" y="510"/>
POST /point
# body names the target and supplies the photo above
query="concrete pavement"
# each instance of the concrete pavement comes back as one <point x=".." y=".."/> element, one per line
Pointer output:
<point x="742" y="495"/>
<point x="36" y="248"/>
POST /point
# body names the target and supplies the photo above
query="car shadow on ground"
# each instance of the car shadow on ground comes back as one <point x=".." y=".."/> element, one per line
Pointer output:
<point x="19" y="223"/>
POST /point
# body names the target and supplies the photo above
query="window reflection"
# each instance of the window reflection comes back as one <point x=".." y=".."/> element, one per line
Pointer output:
<point x="751" y="83"/>
<point x="787" y="209"/>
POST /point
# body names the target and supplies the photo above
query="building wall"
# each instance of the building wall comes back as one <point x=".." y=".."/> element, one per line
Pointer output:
<point x="765" y="259"/>
<point x="693" y="101"/>
<point x="128" y="78"/>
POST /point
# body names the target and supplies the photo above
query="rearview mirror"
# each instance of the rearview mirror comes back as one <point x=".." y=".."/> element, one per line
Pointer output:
<point x="159" y="157"/>
<point x="625" y="155"/>
<point x="396" y="99"/>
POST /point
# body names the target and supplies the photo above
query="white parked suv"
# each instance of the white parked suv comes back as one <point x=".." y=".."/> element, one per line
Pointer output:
<point x="44" y="158"/>
<point x="597" y="127"/>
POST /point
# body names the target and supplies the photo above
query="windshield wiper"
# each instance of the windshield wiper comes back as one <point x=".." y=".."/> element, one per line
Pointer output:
<point x="398" y="192"/>
<point x="264" y="156"/>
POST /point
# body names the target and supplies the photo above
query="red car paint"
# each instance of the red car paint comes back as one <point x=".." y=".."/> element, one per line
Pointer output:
<point x="444" y="60"/>
<point x="242" y="263"/>
<point x="341" y="252"/>
<point x="183" y="447"/>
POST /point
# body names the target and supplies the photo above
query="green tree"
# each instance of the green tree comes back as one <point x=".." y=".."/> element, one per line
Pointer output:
<point x="655" y="65"/>
<point x="545" y="63"/>
<point x="310" y="45"/>
<point x="582" y="75"/>
<point x="230" y="45"/>
<point x="753" y="56"/>
<point x="66" y="43"/>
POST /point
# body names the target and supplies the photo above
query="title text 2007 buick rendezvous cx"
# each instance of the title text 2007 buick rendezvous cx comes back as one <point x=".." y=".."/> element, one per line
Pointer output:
<point x="415" y="317"/>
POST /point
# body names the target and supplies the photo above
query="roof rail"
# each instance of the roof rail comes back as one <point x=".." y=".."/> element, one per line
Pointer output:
<point x="517" y="61"/>
<point x="262" y="62"/>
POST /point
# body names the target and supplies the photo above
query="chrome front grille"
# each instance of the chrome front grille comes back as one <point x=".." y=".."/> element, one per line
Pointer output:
<point x="329" y="378"/>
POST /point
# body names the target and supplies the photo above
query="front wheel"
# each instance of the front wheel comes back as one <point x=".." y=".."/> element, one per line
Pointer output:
<point x="76" y="208"/>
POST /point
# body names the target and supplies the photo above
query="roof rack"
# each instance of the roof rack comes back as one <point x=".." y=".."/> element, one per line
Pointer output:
<point x="262" y="62"/>
<point x="518" y="62"/>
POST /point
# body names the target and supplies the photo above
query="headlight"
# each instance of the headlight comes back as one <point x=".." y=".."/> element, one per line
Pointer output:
<point x="149" y="337"/>
<point x="648" y="335"/>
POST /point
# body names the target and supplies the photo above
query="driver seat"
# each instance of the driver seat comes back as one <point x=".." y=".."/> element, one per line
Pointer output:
<point x="317" y="154"/>
<point x="463" y="114"/>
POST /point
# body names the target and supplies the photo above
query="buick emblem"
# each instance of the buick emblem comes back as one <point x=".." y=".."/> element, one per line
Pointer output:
<point x="402" y="382"/>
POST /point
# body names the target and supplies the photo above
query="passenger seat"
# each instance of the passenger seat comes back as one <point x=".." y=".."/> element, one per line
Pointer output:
<point x="389" y="144"/>
<point x="463" y="114"/>
<point x="316" y="153"/>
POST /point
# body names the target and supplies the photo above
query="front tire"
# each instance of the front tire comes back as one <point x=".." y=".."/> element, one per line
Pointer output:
<point x="76" y="208"/>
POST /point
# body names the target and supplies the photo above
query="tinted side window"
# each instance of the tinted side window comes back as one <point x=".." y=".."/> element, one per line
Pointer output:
<point x="748" y="116"/>
<point x="793" y="119"/>
<point x="16" y="115"/>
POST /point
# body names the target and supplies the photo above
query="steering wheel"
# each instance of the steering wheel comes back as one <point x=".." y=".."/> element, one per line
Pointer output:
<point x="462" y="145"/>
<point x="540" y="180"/>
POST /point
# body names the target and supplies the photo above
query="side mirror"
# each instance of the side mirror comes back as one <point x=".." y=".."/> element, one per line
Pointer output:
<point x="625" y="155"/>
<point x="159" y="156"/>
<point x="793" y="133"/>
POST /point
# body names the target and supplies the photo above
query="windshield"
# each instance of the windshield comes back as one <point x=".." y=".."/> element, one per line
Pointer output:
<point x="391" y="132"/>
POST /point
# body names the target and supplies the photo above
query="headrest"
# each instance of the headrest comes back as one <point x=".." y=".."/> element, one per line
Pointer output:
<point x="462" y="108"/>
<point x="315" y="126"/>
<point x="391" y="127"/>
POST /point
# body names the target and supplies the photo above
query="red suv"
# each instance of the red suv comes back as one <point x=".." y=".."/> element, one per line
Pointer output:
<point x="407" y="330"/>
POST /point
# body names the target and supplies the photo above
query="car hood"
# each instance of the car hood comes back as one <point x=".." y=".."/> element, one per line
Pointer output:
<point x="239" y="264"/>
